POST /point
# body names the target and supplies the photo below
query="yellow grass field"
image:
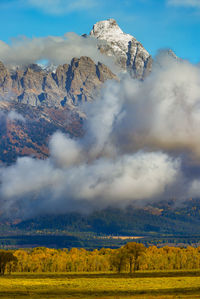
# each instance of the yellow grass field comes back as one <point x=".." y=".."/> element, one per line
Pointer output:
<point x="142" y="285"/>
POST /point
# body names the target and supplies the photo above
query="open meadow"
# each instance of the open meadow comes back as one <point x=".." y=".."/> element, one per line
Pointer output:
<point x="174" y="284"/>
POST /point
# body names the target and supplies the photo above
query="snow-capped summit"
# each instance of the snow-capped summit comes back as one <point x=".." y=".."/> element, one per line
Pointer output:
<point x="110" y="31"/>
<point x="128" y="52"/>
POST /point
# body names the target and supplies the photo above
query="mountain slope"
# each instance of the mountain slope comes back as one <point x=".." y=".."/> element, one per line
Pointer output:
<point x="29" y="130"/>
<point x="169" y="219"/>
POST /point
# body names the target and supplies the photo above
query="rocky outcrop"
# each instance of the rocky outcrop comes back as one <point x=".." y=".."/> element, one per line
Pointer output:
<point x="5" y="79"/>
<point x="70" y="84"/>
<point x="129" y="54"/>
<point x="85" y="78"/>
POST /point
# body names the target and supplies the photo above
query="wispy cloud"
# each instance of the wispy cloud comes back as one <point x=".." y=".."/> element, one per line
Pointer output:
<point x="54" y="50"/>
<point x="15" y="116"/>
<point x="51" y="7"/>
<point x="187" y="3"/>
<point x="60" y="7"/>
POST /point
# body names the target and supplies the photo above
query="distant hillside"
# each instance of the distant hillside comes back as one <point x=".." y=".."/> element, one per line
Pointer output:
<point x="165" y="218"/>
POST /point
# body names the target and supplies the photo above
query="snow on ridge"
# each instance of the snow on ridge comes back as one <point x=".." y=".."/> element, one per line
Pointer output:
<point x="109" y="31"/>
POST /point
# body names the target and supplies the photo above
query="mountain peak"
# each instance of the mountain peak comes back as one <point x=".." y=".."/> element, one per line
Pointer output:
<point x="129" y="54"/>
<point x="109" y="30"/>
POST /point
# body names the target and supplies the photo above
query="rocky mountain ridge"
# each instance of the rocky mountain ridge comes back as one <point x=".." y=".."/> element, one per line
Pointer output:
<point x="48" y="99"/>
<point x="80" y="80"/>
<point x="71" y="83"/>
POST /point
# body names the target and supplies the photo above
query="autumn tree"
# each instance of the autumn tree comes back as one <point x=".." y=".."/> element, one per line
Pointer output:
<point x="118" y="259"/>
<point x="6" y="257"/>
<point x="131" y="257"/>
<point x="132" y="252"/>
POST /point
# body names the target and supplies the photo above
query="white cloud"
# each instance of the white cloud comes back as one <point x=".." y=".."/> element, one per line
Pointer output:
<point x="65" y="152"/>
<point x="189" y="3"/>
<point x="38" y="186"/>
<point x="54" y="49"/>
<point x="13" y="115"/>
<point x="163" y="112"/>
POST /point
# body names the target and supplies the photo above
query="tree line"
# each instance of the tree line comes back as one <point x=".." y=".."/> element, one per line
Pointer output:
<point x="130" y="257"/>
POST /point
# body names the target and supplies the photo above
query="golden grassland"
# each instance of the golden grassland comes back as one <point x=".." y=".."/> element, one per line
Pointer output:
<point x="174" y="284"/>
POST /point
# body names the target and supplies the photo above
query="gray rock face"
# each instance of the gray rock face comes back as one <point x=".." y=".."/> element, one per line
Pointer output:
<point x="129" y="54"/>
<point x="77" y="82"/>
<point x="85" y="78"/>
<point x="5" y="79"/>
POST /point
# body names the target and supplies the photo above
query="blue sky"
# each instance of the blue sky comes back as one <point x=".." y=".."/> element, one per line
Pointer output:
<point x="156" y="23"/>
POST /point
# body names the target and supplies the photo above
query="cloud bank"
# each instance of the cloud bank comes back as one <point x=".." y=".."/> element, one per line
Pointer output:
<point x="163" y="111"/>
<point x="53" y="50"/>
<point x="141" y="143"/>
